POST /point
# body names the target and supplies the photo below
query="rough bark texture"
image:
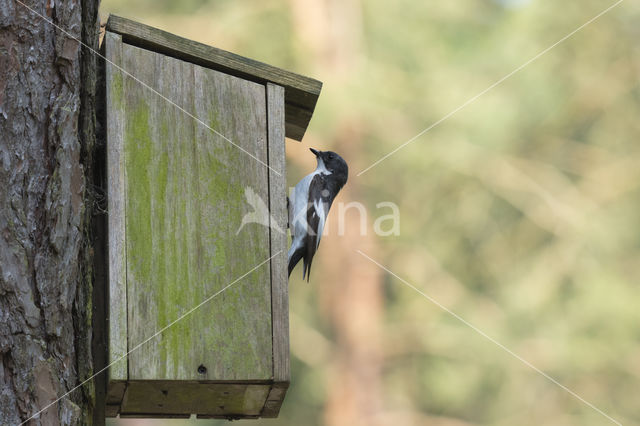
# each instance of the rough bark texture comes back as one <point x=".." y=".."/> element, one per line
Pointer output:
<point x="47" y="138"/>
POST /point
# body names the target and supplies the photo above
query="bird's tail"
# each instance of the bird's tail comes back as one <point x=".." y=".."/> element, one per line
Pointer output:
<point x="306" y="262"/>
<point x="295" y="258"/>
<point x="306" y="268"/>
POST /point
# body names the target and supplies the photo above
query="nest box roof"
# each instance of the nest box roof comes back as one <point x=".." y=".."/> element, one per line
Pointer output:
<point x="300" y="92"/>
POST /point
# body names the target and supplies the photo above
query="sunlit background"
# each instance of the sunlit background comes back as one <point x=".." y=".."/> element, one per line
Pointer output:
<point x="520" y="212"/>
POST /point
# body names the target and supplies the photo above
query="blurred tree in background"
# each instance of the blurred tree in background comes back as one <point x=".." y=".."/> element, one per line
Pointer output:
<point x="520" y="212"/>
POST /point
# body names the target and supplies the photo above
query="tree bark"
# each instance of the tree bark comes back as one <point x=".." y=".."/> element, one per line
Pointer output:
<point x="47" y="141"/>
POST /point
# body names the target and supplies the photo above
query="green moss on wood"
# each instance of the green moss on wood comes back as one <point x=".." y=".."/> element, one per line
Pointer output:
<point x="117" y="87"/>
<point x="138" y="210"/>
<point x="185" y="201"/>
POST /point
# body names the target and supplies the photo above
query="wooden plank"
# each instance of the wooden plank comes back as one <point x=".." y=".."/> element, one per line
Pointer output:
<point x="179" y="399"/>
<point x="186" y="198"/>
<point x="301" y="93"/>
<point x="274" y="400"/>
<point x="111" y="410"/>
<point x="99" y="231"/>
<point x="114" y="396"/>
<point x="296" y="119"/>
<point x="279" y="279"/>
<point x="278" y="209"/>
<point x="115" y="392"/>
<point x="117" y="309"/>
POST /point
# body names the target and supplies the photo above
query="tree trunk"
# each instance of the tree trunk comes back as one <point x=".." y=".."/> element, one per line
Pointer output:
<point x="47" y="140"/>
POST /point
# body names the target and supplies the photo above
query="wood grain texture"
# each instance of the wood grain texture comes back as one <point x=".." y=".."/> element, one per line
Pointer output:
<point x="296" y="120"/>
<point x="301" y="93"/>
<point x="274" y="400"/>
<point x="181" y="198"/>
<point x="113" y="398"/>
<point x="117" y="288"/>
<point x="279" y="214"/>
<point x="185" y="202"/>
<point x="179" y="399"/>
<point x="279" y="279"/>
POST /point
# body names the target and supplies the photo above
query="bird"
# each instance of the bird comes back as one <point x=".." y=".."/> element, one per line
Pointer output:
<point x="309" y="206"/>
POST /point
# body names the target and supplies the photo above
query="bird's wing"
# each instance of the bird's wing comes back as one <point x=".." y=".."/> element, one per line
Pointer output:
<point x="317" y="209"/>
<point x="298" y="208"/>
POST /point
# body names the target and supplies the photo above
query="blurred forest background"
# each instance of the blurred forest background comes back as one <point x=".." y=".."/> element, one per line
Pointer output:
<point x="520" y="213"/>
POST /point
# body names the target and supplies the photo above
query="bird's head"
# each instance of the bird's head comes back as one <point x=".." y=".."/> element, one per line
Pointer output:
<point x="333" y="163"/>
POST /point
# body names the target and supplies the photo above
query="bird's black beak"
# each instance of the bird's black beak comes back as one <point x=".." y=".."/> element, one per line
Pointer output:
<point x="316" y="153"/>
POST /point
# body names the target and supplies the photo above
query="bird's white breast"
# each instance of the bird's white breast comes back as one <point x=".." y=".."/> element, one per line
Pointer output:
<point x="299" y="200"/>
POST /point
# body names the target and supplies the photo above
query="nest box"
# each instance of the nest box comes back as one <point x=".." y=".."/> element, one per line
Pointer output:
<point x="197" y="299"/>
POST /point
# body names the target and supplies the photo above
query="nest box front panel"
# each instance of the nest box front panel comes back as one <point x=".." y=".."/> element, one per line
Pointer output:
<point x="192" y="142"/>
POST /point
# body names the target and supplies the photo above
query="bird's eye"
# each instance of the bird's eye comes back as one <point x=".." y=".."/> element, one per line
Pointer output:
<point x="331" y="156"/>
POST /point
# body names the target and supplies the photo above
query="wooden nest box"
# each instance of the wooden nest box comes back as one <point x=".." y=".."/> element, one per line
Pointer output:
<point x="197" y="297"/>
